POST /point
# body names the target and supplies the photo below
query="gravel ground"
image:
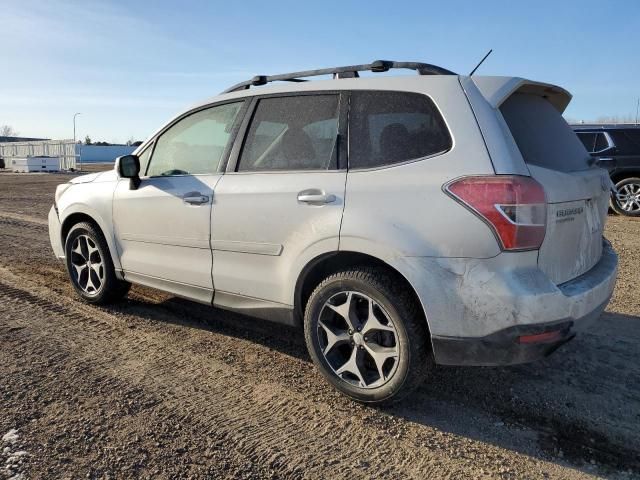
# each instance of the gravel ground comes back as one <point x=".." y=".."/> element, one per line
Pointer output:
<point x="158" y="387"/>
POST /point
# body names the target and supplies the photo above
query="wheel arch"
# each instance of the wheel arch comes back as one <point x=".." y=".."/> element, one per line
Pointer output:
<point x="325" y="264"/>
<point x="624" y="174"/>
<point x="77" y="215"/>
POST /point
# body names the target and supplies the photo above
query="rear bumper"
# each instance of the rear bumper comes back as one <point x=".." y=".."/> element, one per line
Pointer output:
<point x="477" y="310"/>
<point x="55" y="236"/>
<point x="503" y="347"/>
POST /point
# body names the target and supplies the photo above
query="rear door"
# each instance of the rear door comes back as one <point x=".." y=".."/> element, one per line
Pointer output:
<point x="577" y="190"/>
<point x="281" y="200"/>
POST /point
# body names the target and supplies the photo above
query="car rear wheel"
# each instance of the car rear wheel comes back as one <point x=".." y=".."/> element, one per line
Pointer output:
<point x="366" y="335"/>
<point x="90" y="267"/>
<point x="626" y="201"/>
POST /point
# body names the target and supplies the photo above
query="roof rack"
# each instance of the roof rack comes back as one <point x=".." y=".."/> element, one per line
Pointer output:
<point x="350" y="71"/>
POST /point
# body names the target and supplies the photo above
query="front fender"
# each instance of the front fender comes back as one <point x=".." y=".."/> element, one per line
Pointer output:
<point x="105" y="224"/>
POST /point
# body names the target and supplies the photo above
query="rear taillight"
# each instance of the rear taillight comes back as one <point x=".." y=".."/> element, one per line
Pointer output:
<point x="513" y="206"/>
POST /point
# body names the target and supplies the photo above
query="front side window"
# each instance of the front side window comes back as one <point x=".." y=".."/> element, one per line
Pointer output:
<point x="195" y="145"/>
<point x="393" y="127"/>
<point x="292" y="133"/>
<point x="144" y="159"/>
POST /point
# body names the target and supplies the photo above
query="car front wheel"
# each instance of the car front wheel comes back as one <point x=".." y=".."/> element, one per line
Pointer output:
<point x="90" y="267"/>
<point x="366" y="335"/>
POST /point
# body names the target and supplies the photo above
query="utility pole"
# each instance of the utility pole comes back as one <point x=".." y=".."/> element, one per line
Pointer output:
<point x="74" y="138"/>
<point x="637" y="109"/>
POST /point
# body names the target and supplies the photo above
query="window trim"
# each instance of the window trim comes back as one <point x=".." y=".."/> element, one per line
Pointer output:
<point x="340" y="149"/>
<point x="413" y="160"/>
<point x="153" y="141"/>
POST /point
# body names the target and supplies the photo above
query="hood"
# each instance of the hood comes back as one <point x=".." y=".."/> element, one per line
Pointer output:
<point x="91" y="177"/>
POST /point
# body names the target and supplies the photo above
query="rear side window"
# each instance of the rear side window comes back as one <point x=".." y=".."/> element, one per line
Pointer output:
<point x="588" y="139"/>
<point x="393" y="127"/>
<point x="542" y="135"/>
<point x="292" y="133"/>
<point x="601" y="142"/>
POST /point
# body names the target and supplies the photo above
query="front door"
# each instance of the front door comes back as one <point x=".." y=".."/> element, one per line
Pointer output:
<point x="282" y="204"/>
<point x="162" y="228"/>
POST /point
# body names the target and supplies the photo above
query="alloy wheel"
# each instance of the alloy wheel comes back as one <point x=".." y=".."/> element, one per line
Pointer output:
<point x="88" y="270"/>
<point x="358" y="339"/>
<point x="628" y="197"/>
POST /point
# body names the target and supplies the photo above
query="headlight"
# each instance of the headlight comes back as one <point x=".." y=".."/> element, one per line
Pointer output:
<point x="60" y="189"/>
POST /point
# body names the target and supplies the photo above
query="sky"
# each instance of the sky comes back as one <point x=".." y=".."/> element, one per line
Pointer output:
<point x="129" y="66"/>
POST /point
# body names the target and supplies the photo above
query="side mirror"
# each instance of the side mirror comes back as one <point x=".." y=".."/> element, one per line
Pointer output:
<point x="128" y="166"/>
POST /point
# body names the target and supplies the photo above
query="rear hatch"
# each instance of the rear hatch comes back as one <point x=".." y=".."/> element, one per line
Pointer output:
<point x="577" y="191"/>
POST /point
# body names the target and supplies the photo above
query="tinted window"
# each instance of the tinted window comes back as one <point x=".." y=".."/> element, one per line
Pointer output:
<point x="543" y="137"/>
<point x="195" y="144"/>
<point x="588" y="139"/>
<point x="634" y="135"/>
<point x="624" y="143"/>
<point x="292" y="133"/>
<point x="393" y="127"/>
<point x="601" y="142"/>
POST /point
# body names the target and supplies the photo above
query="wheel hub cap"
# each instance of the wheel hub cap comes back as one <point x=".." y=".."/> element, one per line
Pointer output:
<point x="358" y="340"/>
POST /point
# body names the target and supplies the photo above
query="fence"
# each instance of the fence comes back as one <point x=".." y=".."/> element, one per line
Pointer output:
<point x="64" y="149"/>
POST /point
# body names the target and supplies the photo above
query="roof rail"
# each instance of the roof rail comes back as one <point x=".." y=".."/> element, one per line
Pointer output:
<point x="350" y="71"/>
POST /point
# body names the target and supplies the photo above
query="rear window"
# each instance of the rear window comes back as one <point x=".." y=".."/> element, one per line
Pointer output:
<point x="393" y="127"/>
<point x="542" y="135"/>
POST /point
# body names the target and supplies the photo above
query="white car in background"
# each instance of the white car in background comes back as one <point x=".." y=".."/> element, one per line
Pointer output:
<point x="403" y="221"/>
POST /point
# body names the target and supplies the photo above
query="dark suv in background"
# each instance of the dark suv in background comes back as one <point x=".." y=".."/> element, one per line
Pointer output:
<point x="617" y="148"/>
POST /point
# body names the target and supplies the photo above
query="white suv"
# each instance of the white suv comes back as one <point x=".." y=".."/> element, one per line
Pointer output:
<point x="404" y="221"/>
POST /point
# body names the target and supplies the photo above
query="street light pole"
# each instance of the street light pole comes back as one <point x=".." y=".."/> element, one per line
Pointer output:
<point x="74" y="138"/>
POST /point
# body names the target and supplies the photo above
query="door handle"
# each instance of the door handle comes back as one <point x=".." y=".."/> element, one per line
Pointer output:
<point x="195" y="199"/>
<point x="313" y="196"/>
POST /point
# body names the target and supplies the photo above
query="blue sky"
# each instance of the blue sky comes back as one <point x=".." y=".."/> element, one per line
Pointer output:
<point x="128" y="66"/>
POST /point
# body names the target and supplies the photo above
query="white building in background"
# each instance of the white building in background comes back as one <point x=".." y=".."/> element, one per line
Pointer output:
<point x="70" y="154"/>
<point x="100" y="153"/>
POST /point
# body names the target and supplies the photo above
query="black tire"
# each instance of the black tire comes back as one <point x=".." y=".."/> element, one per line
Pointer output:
<point x="631" y="182"/>
<point x="110" y="289"/>
<point x="414" y="357"/>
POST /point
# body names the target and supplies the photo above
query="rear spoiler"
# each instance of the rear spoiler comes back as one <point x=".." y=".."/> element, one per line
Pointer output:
<point x="497" y="89"/>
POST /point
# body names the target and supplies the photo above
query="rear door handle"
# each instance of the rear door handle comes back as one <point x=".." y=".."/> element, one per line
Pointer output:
<point x="314" y="196"/>
<point x="195" y="199"/>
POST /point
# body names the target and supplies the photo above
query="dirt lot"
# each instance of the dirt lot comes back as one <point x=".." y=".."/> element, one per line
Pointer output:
<point x="157" y="387"/>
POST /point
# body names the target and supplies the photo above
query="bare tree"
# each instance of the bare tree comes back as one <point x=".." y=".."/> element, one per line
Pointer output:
<point x="7" y="131"/>
<point x="615" y="119"/>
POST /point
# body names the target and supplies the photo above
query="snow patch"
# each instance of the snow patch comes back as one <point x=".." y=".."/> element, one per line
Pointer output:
<point x="11" y="436"/>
